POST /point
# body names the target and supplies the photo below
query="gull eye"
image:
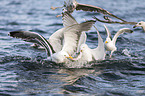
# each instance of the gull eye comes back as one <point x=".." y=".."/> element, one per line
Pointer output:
<point x="139" y="23"/>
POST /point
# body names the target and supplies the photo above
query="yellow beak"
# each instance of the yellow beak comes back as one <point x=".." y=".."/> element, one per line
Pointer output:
<point x="69" y="57"/>
<point x="106" y="42"/>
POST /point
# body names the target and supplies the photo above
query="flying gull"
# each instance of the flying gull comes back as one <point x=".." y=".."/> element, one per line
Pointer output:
<point x="71" y="5"/>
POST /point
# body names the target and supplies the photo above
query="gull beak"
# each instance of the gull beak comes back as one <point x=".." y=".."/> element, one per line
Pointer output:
<point x="69" y="57"/>
<point x="134" y="26"/>
<point x="106" y="42"/>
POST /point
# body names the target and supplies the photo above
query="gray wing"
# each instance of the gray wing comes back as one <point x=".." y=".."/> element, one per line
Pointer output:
<point x="57" y="38"/>
<point x="86" y="7"/>
<point x="72" y="35"/>
<point x="34" y="38"/>
<point x="68" y="19"/>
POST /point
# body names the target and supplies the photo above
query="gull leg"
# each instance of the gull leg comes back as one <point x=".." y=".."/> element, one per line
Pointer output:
<point x="111" y="53"/>
<point x="58" y="15"/>
<point x="53" y="8"/>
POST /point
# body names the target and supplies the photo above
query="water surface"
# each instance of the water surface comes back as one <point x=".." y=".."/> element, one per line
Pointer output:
<point x="24" y="70"/>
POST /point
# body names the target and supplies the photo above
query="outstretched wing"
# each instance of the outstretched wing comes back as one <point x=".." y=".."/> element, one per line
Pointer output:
<point x="121" y="31"/>
<point x="108" y="32"/>
<point x="99" y="52"/>
<point x="56" y="39"/>
<point x="82" y="40"/>
<point x="72" y="35"/>
<point x="68" y="19"/>
<point x="86" y="7"/>
<point x="34" y="38"/>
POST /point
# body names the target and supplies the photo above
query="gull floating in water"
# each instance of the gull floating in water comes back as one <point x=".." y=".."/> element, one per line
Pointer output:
<point x="71" y="5"/>
<point x="140" y="24"/>
<point x="110" y="43"/>
<point x="62" y="43"/>
<point x="87" y="54"/>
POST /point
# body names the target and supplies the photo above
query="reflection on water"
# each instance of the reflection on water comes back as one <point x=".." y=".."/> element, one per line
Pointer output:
<point x="74" y="74"/>
<point x="49" y="80"/>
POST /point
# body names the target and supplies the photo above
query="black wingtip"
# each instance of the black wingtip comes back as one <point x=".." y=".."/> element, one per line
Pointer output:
<point x="13" y="33"/>
<point x="131" y="31"/>
<point x="66" y="13"/>
<point x="92" y="21"/>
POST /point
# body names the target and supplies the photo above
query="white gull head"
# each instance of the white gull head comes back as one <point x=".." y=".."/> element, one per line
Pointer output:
<point x="140" y="24"/>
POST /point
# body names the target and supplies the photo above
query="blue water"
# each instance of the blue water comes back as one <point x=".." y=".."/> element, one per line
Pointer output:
<point x="24" y="70"/>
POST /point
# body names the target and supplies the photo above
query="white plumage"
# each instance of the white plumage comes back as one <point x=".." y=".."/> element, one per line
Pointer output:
<point x="110" y="43"/>
<point x="87" y="54"/>
<point x="62" y="43"/>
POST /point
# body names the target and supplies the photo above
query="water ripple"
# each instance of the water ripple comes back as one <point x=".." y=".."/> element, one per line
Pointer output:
<point x="24" y="70"/>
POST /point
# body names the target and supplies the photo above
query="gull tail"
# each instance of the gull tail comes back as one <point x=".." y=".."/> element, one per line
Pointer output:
<point x="34" y="38"/>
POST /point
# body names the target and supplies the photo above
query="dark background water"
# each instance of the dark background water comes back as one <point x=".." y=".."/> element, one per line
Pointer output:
<point x="23" y="70"/>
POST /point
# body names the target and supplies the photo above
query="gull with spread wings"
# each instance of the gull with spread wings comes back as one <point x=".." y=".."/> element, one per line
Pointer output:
<point x="62" y="43"/>
<point x="110" y="43"/>
<point x="87" y="54"/>
<point x="71" y="5"/>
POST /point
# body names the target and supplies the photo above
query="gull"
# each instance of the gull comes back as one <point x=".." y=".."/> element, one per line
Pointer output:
<point x="110" y="43"/>
<point x="87" y="54"/>
<point x="140" y="24"/>
<point x="56" y="38"/>
<point x="71" y="5"/>
<point x="61" y="44"/>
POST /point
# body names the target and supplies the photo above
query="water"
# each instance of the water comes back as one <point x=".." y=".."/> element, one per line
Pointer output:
<point x="24" y="70"/>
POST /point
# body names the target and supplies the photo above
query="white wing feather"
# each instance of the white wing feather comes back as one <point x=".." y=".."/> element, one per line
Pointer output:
<point x="99" y="52"/>
<point x="72" y="35"/>
<point x="57" y="38"/>
<point x="121" y="31"/>
<point x="82" y="40"/>
<point x="108" y="32"/>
